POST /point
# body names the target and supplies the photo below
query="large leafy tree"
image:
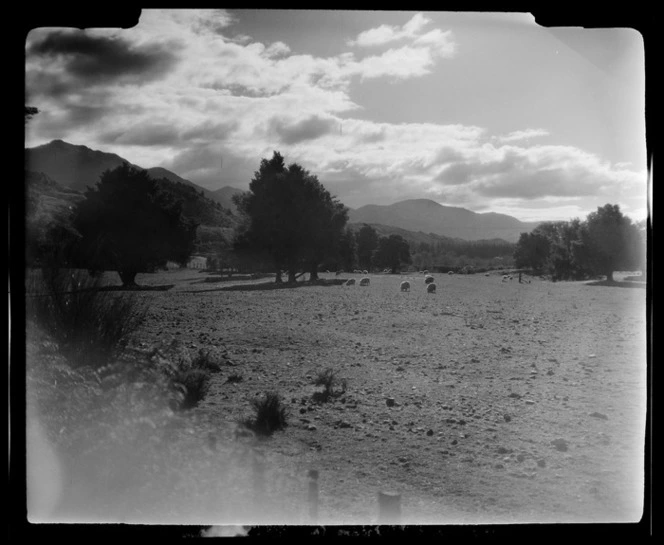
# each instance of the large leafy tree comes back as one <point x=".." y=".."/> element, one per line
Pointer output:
<point x="391" y="252"/>
<point x="609" y="241"/>
<point x="346" y="249"/>
<point x="532" y="250"/>
<point x="290" y="216"/>
<point x="367" y="242"/>
<point x="130" y="226"/>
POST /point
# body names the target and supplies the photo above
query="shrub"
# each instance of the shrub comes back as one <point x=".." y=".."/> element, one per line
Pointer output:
<point x="270" y="415"/>
<point x="194" y="385"/>
<point x="90" y="326"/>
<point x="235" y="377"/>
<point x="203" y="360"/>
<point x="329" y="380"/>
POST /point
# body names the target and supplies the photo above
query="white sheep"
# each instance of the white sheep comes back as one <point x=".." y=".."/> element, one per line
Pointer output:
<point x="505" y="277"/>
<point x="365" y="272"/>
<point x="425" y="272"/>
<point x="350" y="282"/>
<point x="405" y="285"/>
<point x="364" y="281"/>
<point x="450" y="272"/>
<point x="428" y="279"/>
<point x="431" y="288"/>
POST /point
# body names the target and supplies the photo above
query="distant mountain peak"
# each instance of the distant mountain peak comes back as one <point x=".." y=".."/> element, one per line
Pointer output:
<point x="429" y="216"/>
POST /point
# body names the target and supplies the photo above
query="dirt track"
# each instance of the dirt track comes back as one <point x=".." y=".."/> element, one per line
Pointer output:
<point x="512" y="402"/>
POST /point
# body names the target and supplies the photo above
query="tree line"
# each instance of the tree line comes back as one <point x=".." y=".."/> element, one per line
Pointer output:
<point x="606" y="241"/>
<point x="290" y="224"/>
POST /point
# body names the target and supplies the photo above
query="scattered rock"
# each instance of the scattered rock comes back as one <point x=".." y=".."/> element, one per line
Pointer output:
<point x="311" y="427"/>
<point x="541" y="463"/>
<point x="520" y="457"/>
<point x="430" y="432"/>
<point x="514" y="395"/>
<point x="599" y="415"/>
<point x="390" y="402"/>
<point x="529" y="402"/>
<point x="549" y="372"/>
<point x="503" y="450"/>
<point x="454" y="442"/>
<point x="507" y="417"/>
<point x="560" y="444"/>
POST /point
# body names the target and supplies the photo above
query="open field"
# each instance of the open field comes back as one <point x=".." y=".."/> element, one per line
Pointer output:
<point x="486" y="402"/>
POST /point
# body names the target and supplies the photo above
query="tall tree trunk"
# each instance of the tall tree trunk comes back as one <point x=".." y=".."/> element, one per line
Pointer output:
<point x="609" y="276"/>
<point x="292" y="278"/>
<point x="313" y="275"/>
<point x="128" y="278"/>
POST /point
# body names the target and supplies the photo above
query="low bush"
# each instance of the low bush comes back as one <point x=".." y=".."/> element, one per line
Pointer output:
<point x="91" y="327"/>
<point x="193" y="384"/>
<point x="329" y="381"/>
<point x="270" y="415"/>
<point x="205" y="361"/>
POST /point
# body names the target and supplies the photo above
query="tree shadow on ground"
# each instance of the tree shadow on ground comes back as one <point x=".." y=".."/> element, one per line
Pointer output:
<point x="617" y="284"/>
<point x="272" y="285"/>
<point x="163" y="287"/>
<point x="236" y="278"/>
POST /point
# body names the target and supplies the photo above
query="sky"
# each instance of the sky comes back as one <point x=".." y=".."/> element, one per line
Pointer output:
<point x="485" y="111"/>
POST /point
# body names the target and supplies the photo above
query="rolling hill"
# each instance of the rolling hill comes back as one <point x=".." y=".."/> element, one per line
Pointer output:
<point x="427" y="216"/>
<point x="77" y="167"/>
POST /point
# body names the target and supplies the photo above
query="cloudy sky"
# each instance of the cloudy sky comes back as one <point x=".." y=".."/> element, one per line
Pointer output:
<point x="490" y="112"/>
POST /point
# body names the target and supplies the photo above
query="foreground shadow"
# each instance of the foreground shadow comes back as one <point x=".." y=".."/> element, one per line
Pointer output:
<point x="272" y="285"/>
<point x="617" y="284"/>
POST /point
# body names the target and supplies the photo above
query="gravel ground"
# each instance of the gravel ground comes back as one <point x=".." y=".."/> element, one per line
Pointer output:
<point x="488" y="402"/>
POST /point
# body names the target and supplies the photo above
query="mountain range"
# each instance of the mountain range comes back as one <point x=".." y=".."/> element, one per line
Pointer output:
<point x="77" y="167"/>
<point x="427" y="216"/>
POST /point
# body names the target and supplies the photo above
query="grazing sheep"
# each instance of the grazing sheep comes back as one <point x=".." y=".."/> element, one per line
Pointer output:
<point x="364" y="281"/>
<point x="405" y="285"/>
<point x="428" y="279"/>
<point x="486" y="274"/>
<point x="505" y="278"/>
<point x="450" y="272"/>
<point x="365" y="272"/>
<point x="425" y="272"/>
<point x="431" y="288"/>
<point x="350" y="282"/>
<point x="338" y="273"/>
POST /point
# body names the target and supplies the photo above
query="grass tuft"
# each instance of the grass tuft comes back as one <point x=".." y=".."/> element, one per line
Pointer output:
<point x="270" y="415"/>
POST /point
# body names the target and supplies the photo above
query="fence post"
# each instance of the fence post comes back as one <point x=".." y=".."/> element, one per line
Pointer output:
<point x="389" y="508"/>
<point x="313" y="495"/>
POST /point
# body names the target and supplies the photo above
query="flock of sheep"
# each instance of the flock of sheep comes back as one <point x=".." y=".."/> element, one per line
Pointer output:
<point x="429" y="280"/>
<point x="405" y="285"/>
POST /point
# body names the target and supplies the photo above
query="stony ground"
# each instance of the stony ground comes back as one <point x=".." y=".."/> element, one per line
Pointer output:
<point x="486" y="402"/>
